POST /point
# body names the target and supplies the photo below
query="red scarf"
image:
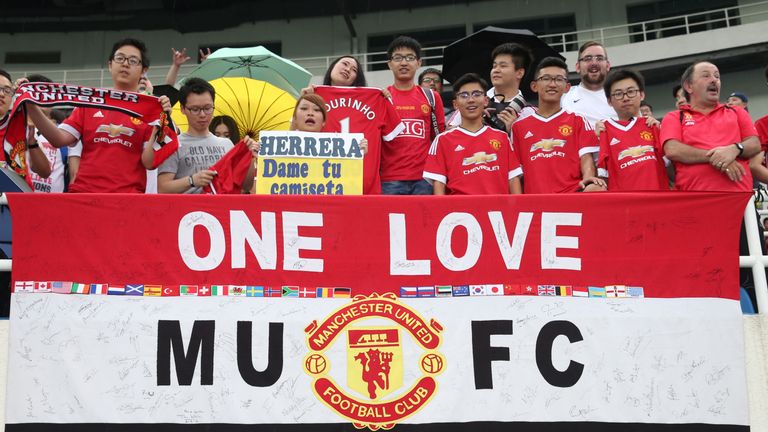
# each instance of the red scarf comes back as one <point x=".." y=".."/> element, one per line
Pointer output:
<point x="144" y="107"/>
<point x="230" y="171"/>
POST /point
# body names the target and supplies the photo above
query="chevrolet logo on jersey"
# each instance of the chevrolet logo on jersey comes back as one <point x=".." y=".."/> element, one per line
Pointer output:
<point x="114" y="130"/>
<point x="479" y="158"/>
<point x="547" y="145"/>
<point x="636" y="151"/>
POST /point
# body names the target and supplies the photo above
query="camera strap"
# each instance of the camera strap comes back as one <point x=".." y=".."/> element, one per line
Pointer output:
<point x="431" y="99"/>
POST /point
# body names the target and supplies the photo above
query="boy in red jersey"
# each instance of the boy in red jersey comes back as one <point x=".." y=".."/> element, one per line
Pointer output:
<point x="554" y="146"/>
<point x="421" y="111"/>
<point x="472" y="159"/>
<point x="631" y="156"/>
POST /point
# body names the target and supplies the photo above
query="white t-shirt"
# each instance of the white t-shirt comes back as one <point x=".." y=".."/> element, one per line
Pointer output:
<point x="55" y="181"/>
<point x="591" y="105"/>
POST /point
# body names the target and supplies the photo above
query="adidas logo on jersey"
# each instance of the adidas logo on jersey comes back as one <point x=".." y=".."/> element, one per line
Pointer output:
<point x="528" y="135"/>
<point x="614" y="141"/>
<point x="98" y="114"/>
<point x="459" y="148"/>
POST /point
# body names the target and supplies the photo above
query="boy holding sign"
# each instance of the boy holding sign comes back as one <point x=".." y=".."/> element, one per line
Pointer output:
<point x="472" y="159"/>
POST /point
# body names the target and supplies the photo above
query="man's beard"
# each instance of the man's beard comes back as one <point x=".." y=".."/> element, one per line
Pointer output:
<point x="600" y="78"/>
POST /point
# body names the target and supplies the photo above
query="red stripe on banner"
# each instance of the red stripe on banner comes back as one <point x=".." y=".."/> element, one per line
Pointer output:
<point x="687" y="241"/>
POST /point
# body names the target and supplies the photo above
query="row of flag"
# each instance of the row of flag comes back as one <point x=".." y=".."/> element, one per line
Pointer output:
<point x="611" y="291"/>
<point x="181" y="290"/>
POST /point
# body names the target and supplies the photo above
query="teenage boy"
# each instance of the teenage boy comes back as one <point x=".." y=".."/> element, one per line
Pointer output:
<point x="553" y="145"/>
<point x="421" y="111"/>
<point x="187" y="170"/>
<point x="472" y="159"/>
<point x="117" y="148"/>
<point x="631" y="156"/>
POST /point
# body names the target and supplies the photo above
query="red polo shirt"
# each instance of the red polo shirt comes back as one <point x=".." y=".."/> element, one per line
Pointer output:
<point x="721" y="127"/>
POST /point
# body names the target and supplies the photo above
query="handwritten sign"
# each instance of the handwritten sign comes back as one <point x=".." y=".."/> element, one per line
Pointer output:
<point x="305" y="163"/>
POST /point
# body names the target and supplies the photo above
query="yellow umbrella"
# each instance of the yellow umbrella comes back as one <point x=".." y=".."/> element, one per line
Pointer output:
<point x="255" y="105"/>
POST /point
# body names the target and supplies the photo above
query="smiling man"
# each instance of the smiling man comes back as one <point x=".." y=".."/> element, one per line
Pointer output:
<point x="588" y="98"/>
<point x="421" y="111"/>
<point x="709" y="142"/>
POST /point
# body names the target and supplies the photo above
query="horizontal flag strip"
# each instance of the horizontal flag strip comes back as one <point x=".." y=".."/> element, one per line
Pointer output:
<point x="341" y="427"/>
<point x="611" y="291"/>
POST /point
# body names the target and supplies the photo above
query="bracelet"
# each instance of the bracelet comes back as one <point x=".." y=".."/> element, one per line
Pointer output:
<point x="191" y="181"/>
<point x="33" y="146"/>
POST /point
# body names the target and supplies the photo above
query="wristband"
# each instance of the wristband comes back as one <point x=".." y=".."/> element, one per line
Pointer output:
<point x="33" y="146"/>
<point x="191" y="181"/>
<point x="740" y="147"/>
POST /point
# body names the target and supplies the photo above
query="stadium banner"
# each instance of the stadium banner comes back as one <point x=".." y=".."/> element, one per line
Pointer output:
<point x="550" y="313"/>
<point x="307" y="163"/>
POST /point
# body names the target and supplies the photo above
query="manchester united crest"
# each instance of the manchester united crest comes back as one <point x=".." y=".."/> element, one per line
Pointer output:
<point x="425" y="108"/>
<point x="565" y="130"/>
<point x="375" y="361"/>
<point x="495" y="144"/>
<point x="136" y="120"/>
<point x="646" y="136"/>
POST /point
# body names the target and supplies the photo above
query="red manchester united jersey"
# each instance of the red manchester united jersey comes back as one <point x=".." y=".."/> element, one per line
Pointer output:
<point x="631" y="156"/>
<point x="112" y="146"/>
<point x="472" y="163"/>
<point x="403" y="157"/>
<point x="362" y="110"/>
<point x="550" y="150"/>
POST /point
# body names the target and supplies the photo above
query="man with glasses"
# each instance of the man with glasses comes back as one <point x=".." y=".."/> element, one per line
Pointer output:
<point x="631" y="157"/>
<point x="187" y="170"/>
<point x="117" y="148"/>
<point x="588" y="98"/>
<point x="554" y="146"/>
<point x="431" y="78"/>
<point x="421" y="112"/>
<point x="472" y="159"/>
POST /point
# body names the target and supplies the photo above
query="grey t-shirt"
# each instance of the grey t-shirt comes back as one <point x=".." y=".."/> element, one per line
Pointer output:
<point x="195" y="154"/>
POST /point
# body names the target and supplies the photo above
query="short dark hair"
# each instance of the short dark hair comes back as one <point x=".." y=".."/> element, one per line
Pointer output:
<point x="404" y="42"/>
<point x="430" y="71"/>
<point x="688" y="77"/>
<point x="229" y="122"/>
<point x="620" y="74"/>
<point x="38" y="78"/>
<point x="139" y="45"/>
<point x="469" y="78"/>
<point x="676" y="89"/>
<point x="359" y="79"/>
<point x="197" y="86"/>
<point x="588" y="44"/>
<point x="645" y="103"/>
<point x="5" y="73"/>
<point x="521" y="56"/>
<point x="550" y="62"/>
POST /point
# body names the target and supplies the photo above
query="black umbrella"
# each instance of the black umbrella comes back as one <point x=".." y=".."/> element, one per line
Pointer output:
<point x="473" y="53"/>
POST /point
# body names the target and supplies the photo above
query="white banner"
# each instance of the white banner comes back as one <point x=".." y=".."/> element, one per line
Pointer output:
<point x="116" y="359"/>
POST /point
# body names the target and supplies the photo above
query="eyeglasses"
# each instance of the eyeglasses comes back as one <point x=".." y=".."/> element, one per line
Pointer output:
<point x="546" y="79"/>
<point x="630" y="93"/>
<point x="466" y="95"/>
<point x="8" y="91"/>
<point x="597" y="58"/>
<point x="120" y="59"/>
<point x="397" y="58"/>
<point x="431" y="80"/>
<point x="197" y="110"/>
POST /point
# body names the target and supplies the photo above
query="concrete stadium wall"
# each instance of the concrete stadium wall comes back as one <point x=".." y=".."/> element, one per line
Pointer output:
<point x="755" y="340"/>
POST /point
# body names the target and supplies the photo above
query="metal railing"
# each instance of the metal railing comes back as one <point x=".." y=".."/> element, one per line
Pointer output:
<point x="621" y="34"/>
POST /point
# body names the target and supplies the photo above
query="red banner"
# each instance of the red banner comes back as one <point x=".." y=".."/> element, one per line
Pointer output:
<point x="382" y="244"/>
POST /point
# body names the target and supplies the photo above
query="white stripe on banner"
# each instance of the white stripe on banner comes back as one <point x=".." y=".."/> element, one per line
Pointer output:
<point x="99" y="359"/>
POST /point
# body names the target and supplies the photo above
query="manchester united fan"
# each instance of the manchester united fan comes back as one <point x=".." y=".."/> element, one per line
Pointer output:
<point x="187" y="170"/>
<point x="431" y="78"/>
<point x="709" y="142"/>
<point x="473" y="158"/>
<point x="117" y="148"/>
<point x="421" y="112"/>
<point x="511" y="61"/>
<point x="680" y="96"/>
<point x="554" y="146"/>
<point x="631" y="157"/>
<point x="588" y="98"/>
